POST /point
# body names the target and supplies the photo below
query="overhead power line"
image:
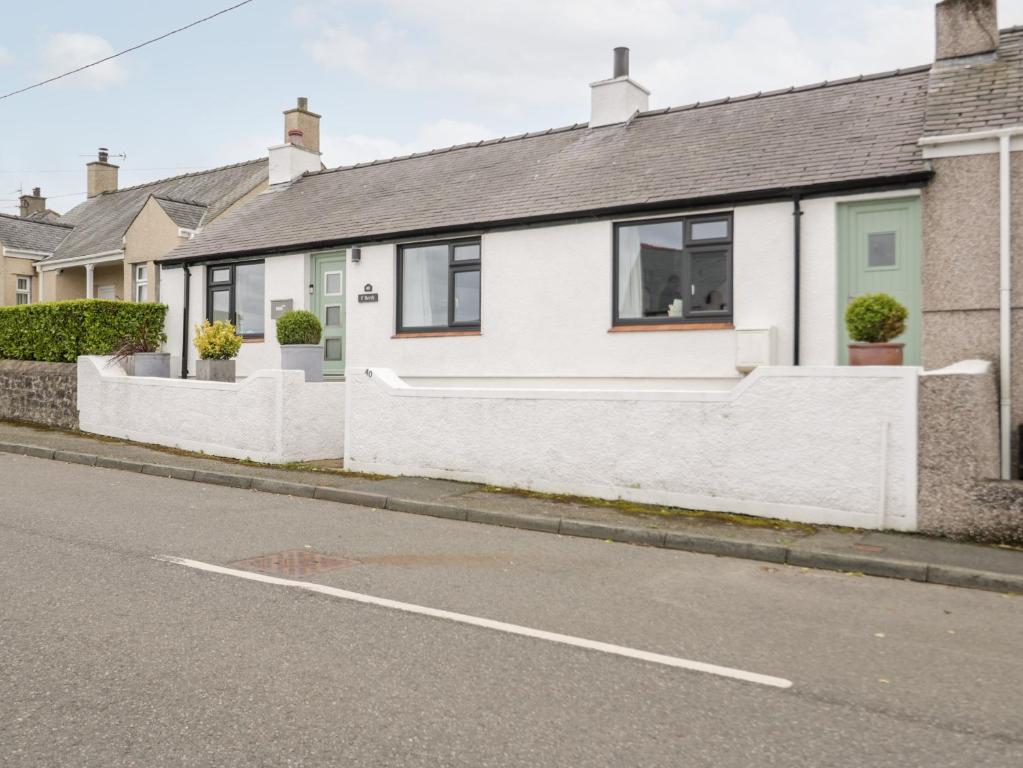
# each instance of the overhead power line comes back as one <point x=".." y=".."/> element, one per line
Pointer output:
<point x="126" y="50"/>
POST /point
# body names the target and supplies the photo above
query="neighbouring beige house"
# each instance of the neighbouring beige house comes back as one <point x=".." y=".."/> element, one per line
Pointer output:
<point x="114" y="237"/>
<point x="106" y="247"/>
<point x="24" y="242"/>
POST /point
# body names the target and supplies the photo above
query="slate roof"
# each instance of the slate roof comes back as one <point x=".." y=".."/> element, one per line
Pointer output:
<point x="982" y="93"/>
<point x="47" y="215"/>
<point x="840" y="133"/>
<point x="100" y="222"/>
<point x="31" y="235"/>
<point x="182" y="212"/>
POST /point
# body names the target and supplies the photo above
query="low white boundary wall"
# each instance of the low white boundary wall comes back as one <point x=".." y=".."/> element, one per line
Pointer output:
<point x="831" y="445"/>
<point x="272" y="416"/>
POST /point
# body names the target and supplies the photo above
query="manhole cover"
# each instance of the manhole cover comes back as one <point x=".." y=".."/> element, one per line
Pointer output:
<point x="293" y="562"/>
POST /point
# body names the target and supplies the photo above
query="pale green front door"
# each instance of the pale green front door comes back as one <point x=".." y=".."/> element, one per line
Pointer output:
<point x="329" y="306"/>
<point x="879" y="246"/>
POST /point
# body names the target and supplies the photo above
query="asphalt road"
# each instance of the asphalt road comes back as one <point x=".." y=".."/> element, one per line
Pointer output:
<point x="111" y="657"/>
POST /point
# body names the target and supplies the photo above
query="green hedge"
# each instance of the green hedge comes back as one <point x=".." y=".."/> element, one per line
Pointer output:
<point x="60" y="331"/>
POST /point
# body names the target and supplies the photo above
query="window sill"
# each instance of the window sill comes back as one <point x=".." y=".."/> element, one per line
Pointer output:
<point x="672" y="327"/>
<point x="435" y="334"/>
<point x="253" y="339"/>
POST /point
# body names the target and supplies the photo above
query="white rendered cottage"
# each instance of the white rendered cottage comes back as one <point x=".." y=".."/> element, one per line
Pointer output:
<point x="647" y="247"/>
<point x="578" y="309"/>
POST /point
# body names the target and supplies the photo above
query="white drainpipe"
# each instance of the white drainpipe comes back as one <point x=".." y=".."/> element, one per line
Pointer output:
<point x="1004" y="137"/>
<point x="1005" y="296"/>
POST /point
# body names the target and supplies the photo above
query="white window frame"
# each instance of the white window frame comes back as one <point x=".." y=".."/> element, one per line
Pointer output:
<point x="340" y="281"/>
<point x="26" y="291"/>
<point x="141" y="283"/>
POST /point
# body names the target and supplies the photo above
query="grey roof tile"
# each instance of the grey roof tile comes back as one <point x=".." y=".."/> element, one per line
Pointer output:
<point x="851" y="132"/>
<point x="980" y="93"/>
<point x="182" y="212"/>
<point x="31" y="234"/>
<point x="100" y="222"/>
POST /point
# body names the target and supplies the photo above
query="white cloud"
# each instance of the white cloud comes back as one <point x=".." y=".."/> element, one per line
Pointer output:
<point x="356" y="148"/>
<point x="511" y="56"/>
<point x="348" y="149"/>
<point x="64" y="51"/>
<point x="6" y="57"/>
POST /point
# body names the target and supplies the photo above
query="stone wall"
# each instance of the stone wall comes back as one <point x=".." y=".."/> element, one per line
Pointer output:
<point x="958" y="455"/>
<point x="42" y="393"/>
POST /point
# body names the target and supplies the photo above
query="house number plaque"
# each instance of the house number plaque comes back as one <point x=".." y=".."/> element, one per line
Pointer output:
<point x="368" y="296"/>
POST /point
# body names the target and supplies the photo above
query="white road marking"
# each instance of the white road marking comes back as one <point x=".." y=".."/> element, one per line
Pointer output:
<point x="500" y="626"/>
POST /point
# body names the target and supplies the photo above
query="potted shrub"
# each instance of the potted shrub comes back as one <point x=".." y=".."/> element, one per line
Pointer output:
<point x="140" y="355"/>
<point x="873" y="320"/>
<point x="217" y="345"/>
<point x="298" y="333"/>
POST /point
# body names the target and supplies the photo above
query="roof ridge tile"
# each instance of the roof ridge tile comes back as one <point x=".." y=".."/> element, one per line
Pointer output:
<point x="27" y="220"/>
<point x="182" y="176"/>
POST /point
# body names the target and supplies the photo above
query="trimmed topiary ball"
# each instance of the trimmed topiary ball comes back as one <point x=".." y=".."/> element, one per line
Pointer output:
<point x="875" y="318"/>
<point x="299" y="327"/>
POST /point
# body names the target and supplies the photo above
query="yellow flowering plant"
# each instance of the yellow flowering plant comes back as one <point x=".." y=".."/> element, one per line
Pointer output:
<point x="216" y="341"/>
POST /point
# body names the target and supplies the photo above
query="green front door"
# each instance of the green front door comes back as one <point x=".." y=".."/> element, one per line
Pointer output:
<point x="879" y="245"/>
<point x="329" y="306"/>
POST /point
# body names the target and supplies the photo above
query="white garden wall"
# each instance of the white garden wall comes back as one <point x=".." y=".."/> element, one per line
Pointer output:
<point x="272" y="416"/>
<point x="822" y="445"/>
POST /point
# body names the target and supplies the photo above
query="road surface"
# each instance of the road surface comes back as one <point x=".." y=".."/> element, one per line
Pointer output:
<point x="134" y="633"/>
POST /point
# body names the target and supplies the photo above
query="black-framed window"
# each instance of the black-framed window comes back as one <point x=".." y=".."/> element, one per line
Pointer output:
<point x="676" y="270"/>
<point x="235" y="293"/>
<point x="439" y="286"/>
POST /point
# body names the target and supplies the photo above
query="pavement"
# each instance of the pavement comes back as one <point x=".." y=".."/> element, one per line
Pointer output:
<point x="885" y="554"/>
<point x="112" y="655"/>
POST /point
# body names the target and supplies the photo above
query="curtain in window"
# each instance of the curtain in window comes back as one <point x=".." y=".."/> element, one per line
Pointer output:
<point x="630" y="273"/>
<point x="424" y="294"/>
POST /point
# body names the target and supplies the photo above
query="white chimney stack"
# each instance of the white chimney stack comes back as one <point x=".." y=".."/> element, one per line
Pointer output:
<point x="290" y="160"/>
<point x="616" y="100"/>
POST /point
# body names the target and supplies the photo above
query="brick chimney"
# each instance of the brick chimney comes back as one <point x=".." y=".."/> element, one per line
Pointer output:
<point x="102" y="175"/>
<point x="616" y="100"/>
<point x="301" y="119"/>
<point x="966" y="28"/>
<point x="34" y="203"/>
<point x="300" y="152"/>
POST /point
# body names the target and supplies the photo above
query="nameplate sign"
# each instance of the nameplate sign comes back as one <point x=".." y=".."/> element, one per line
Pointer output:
<point x="367" y="298"/>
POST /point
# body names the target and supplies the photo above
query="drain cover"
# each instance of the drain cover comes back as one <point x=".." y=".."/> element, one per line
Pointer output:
<point x="293" y="562"/>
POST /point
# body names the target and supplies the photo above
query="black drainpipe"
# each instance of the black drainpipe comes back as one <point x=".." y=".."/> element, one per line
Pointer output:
<point x="184" y="324"/>
<point x="797" y="218"/>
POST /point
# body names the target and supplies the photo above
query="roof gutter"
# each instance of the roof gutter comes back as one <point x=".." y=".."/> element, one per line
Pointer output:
<point x="1004" y="138"/>
<point x="25" y="253"/>
<point x="917" y="178"/>
<point x="80" y="261"/>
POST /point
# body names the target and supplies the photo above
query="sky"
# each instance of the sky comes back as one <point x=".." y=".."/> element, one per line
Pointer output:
<point x="394" y="76"/>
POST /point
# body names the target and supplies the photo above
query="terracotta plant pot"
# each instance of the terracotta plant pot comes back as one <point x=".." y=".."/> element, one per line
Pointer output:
<point x="875" y="354"/>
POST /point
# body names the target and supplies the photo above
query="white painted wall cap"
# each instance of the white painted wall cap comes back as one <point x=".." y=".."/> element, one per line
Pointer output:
<point x="962" y="368"/>
<point x="623" y="79"/>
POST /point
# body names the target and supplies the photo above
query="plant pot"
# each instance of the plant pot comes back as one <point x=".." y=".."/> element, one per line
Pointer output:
<point x="875" y="354"/>
<point x="215" y="370"/>
<point x="149" y="364"/>
<point x="307" y="358"/>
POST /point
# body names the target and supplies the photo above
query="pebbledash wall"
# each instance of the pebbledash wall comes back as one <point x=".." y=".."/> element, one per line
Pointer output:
<point x="826" y="445"/>
<point x="273" y="416"/>
<point x="42" y="393"/>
